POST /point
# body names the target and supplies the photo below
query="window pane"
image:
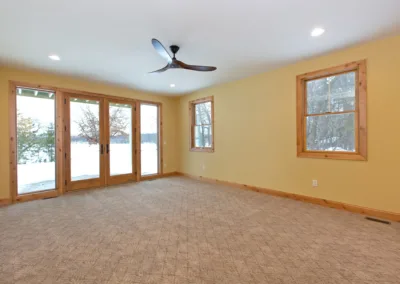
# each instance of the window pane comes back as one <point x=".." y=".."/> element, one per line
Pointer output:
<point x="203" y="136"/>
<point x="120" y="139"/>
<point x="149" y="139"/>
<point x="203" y="113"/>
<point x="85" y="135"/>
<point x="333" y="132"/>
<point x="331" y="94"/>
<point x="36" y="151"/>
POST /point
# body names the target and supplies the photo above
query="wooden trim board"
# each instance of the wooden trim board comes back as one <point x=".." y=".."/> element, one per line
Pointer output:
<point x="393" y="216"/>
<point x="192" y="120"/>
<point x="360" y="112"/>
<point x="4" y="202"/>
<point x="157" y="176"/>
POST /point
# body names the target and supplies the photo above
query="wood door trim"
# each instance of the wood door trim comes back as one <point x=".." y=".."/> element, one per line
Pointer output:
<point x="12" y="112"/>
<point x="63" y="170"/>
<point x="12" y="118"/>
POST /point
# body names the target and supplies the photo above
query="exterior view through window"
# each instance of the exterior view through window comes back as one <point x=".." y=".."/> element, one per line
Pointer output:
<point x="85" y="137"/>
<point x="149" y="133"/>
<point x="331" y="113"/>
<point x="36" y="151"/>
<point x="202" y="125"/>
<point x="120" y="116"/>
<point x="331" y="105"/>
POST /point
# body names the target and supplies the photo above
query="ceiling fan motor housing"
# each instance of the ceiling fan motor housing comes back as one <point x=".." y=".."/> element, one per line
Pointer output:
<point x="174" y="49"/>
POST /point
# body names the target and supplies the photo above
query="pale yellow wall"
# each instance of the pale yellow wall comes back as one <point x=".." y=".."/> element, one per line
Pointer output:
<point x="169" y="113"/>
<point x="255" y="133"/>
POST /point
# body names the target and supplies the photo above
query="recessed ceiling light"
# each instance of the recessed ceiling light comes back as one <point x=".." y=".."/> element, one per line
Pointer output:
<point x="317" y="32"/>
<point x="54" y="57"/>
<point x="172" y="85"/>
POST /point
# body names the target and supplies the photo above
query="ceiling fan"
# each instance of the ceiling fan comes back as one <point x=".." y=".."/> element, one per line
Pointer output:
<point x="174" y="63"/>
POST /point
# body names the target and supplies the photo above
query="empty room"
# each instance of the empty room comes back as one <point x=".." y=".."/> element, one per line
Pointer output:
<point x="210" y="142"/>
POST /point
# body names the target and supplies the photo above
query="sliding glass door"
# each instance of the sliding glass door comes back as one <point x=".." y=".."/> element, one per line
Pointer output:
<point x="36" y="141"/>
<point x="150" y="139"/>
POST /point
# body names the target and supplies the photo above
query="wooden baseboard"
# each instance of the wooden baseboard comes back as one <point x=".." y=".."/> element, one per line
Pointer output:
<point x="151" y="177"/>
<point x="5" y="201"/>
<point x="319" y="201"/>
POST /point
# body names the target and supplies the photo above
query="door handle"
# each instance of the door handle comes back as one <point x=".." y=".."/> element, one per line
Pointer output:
<point x="101" y="149"/>
<point x="107" y="148"/>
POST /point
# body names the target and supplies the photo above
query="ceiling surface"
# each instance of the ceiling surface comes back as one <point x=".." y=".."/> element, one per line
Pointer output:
<point x="110" y="40"/>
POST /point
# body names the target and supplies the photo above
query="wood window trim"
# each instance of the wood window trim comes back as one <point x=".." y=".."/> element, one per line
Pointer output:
<point x="192" y="147"/>
<point x="360" y="67"/>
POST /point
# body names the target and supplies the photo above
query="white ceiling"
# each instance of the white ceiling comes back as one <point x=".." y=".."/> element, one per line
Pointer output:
<point x="110" y="40"/>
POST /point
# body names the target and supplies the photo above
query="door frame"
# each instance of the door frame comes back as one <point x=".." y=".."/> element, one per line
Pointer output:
<point x="12" y="112"/>
<point x="124" y="178"/>
<point x="71" y="185"/>
<point x="61" y="124"/>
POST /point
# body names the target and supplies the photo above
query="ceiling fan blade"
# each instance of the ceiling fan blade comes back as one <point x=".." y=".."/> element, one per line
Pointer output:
<point x="161" y="50"/>
<point x="196" y="67"/>
<point x="161" y="70"/>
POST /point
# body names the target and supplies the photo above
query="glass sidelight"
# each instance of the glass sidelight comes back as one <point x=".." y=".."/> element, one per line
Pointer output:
<point x="149" y="136"/>
<point x="36" y="140"/>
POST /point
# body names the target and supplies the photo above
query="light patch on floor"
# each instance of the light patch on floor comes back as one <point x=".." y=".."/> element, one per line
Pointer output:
<point x="178" y="230"/>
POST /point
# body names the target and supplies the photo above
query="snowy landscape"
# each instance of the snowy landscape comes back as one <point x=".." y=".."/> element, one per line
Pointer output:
<point x="34" y="177"/>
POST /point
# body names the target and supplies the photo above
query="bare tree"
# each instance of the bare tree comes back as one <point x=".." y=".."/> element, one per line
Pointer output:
<point x="89" y="124"/>
<point x="118" y="122"/>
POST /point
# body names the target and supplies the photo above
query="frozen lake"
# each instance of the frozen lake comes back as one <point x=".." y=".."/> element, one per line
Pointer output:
<point x="85" y="164"/>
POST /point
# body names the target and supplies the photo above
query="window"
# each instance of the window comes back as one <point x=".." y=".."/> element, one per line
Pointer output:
<point x="202" y="125"/>
<point x="331" y="113"/>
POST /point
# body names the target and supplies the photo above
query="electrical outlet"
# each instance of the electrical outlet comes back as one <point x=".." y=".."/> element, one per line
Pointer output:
<point x="315" y="183"/>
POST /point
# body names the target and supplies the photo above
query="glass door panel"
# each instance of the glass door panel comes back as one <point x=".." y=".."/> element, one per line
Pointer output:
<point x="149" y="136"/>
<point x="36" y="143"/>
<point x="120" y="142"/>
<point x="84" y="142"/>
<point x="85" y="139"/>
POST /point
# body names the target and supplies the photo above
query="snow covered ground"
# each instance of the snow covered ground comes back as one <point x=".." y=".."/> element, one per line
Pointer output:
<point x="85" y="164"/>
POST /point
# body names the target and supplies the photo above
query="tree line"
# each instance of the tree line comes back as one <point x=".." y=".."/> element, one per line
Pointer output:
<point x="35" y="142"/>
<point x="331" y="131"/>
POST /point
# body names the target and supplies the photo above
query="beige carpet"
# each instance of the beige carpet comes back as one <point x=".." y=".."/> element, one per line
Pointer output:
<point x="178" y="230"/>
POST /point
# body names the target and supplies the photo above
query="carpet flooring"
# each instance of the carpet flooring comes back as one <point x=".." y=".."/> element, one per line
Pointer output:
<point x="178" y="230"/>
